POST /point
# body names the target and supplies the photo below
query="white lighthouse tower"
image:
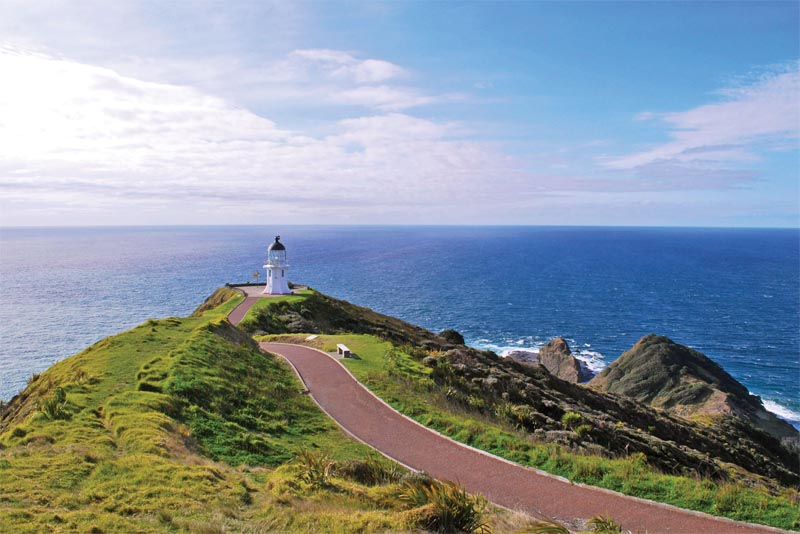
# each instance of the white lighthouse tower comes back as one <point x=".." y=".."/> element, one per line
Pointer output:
<point x="276" y="267"/>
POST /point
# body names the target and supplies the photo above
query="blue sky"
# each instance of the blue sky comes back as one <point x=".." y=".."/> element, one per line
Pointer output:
<point x="594" y="113"/>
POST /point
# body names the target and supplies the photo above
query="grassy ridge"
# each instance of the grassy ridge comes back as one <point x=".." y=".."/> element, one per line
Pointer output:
<point x="104" y="458"/>
<point x="182" y="425"/>
<point x="123" y="452"/>
<point x="405" y="383"/>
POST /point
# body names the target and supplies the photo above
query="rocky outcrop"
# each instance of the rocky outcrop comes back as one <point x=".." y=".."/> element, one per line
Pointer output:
<point x="532" y="399"/>
<point x="665" y="374"/>
<point x="524" y="356"/>
<point x="557" y="358"/>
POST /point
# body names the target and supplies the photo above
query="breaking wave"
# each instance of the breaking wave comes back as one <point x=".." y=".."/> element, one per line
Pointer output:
<point x="593" y="360"/>
<point x="783" y="412"/>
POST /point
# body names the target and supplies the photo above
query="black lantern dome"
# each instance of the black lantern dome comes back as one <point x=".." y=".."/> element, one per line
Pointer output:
<point x="276" y="253"/>
<point x="276" y="245"/>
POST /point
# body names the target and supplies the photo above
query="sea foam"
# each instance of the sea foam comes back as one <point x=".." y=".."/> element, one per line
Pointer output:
<point x="593" y="360"/>
<point x="783" y="412"/>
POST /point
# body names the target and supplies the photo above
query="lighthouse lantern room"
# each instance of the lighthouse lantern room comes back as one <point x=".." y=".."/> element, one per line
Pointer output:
<point x="276" y="267"/>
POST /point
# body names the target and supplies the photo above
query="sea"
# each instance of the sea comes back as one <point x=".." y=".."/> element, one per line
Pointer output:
<point x="732" y="294"/>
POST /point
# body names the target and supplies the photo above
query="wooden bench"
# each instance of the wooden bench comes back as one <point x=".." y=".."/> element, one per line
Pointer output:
<point x="342" y="350"/>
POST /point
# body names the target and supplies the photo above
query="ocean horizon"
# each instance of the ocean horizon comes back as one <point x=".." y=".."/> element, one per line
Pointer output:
<point x="730" y="293"/>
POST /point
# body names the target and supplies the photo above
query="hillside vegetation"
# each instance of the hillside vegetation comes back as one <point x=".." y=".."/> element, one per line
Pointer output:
<point x="723" y="466"/>
<point x="183" y="425"/>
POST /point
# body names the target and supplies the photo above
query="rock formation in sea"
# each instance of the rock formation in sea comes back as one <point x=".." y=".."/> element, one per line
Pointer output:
<point x="557" y="358"/>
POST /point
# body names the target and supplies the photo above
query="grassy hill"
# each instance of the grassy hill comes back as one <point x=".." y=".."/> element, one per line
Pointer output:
<point x="183" y="425"/>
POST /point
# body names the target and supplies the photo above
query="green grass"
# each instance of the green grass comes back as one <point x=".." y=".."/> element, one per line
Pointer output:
<point x="405" y="383"/>
<point x="133" y="444"/>
<point x="107" y="464"/>
<point x="299" y="295"/>
<point x="182" y="425"/>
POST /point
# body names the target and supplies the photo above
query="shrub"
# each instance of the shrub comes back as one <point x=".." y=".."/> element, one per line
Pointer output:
<point x="445" y="506"/>
<point x="416" y="477"/>
<point x="604" y="525"/>
<point x="570" y="420"/>
<point x="370" y="472"/>
<point x="244" y="493"/>
<point x="316" y="469"/>
<point x="728" y="498"/>
<point x="546" y="527"/>
<point x="53" y="406"/>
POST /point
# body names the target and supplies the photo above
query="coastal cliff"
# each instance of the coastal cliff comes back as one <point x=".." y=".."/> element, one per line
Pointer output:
<point x="183" y="422"/>
<point x="663" y="374"/>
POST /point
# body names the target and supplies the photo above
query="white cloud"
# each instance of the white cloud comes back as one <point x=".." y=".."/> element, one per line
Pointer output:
<point x="318" y="77"/>
<point x="221" y="52"/>
<point x="78" y="140"/>
<point x="343" y="65"/>
<point x="324" y="55"/>
<point x="645" y="116"/>
<point x="375" y="70"/>
<point x="382" y="97"/>
<point x="765" y="113"/>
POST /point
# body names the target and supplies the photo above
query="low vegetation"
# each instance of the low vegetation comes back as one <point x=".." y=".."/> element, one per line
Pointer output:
<point x="524" y="414"/>
<point x="182" y="425"/>
<point x="410" y="387"/>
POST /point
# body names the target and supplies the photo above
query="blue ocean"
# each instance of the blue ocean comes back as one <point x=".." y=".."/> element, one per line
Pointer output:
<point x="733" y="294"/>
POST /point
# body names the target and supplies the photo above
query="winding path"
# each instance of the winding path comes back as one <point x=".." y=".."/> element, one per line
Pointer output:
<point x="370" y="420"/>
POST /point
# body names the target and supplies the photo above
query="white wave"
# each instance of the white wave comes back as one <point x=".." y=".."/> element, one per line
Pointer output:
<point x="593" y="360"/>
<point x="782" y="411"/>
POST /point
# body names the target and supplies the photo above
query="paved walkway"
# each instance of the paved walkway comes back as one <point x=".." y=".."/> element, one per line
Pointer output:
<point x="370" y="420"/>
<point x="251" y="294"/>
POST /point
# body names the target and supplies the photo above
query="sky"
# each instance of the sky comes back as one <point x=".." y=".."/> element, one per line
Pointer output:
<point x="529" y="113"/>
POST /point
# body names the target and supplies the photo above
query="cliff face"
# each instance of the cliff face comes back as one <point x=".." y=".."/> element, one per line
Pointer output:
<point x="659" y="372"/>
<point x="557" y="358"/>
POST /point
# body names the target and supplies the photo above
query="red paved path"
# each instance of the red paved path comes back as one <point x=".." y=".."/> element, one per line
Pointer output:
<point x="239" y="312"/>
<point x="367" y="418"/>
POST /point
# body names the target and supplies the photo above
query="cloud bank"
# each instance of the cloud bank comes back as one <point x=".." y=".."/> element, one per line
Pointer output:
<point x="86" y="144"/>
<point x="73" y="134"/>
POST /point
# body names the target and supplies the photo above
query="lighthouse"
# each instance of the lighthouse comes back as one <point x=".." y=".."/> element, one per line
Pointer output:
<point x="276" y="267"/>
